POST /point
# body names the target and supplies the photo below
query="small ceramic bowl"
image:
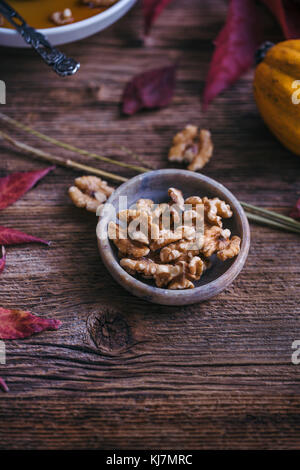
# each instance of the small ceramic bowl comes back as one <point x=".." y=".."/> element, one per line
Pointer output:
<point x="154" y="185"/>
<point x="74" y="31"/>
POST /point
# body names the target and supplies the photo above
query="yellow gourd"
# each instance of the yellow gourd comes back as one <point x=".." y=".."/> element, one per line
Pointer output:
<point x="277" y="91"/>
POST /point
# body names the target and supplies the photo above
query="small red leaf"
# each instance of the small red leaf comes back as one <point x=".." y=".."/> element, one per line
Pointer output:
<point x="151" y="89"/>
<point x="3" y="385"/>
<point x="151" y="10"/>
<point x="3" y="260"/>
<point x="10" y="236"/>
<point x="16" y="324"/>
<point x="15" y="185"/>
<point x="287" y="13"/>
<point x="295" y="212"/>
<point x="235" y="48"/>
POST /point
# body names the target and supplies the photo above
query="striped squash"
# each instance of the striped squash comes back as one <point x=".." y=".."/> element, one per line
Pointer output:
<point x="277" y="91"/>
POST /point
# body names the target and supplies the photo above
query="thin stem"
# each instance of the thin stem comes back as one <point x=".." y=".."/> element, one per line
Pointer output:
<point x="273" y="215"/>
<point x="271" y="223"/>
<point x="59" y="161"/>
<point x="95" y="171"/>
<point x="70" y="147"/>
<point x="134" y="155"/>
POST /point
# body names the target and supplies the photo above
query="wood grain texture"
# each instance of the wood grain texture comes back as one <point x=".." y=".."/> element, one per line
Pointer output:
<point x="122" y="373"/>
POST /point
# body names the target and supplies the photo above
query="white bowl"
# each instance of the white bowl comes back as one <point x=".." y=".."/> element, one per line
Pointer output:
<point x="71" y="32"/>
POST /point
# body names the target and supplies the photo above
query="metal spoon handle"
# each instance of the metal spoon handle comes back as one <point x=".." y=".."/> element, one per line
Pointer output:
<point x="60" y="63"/>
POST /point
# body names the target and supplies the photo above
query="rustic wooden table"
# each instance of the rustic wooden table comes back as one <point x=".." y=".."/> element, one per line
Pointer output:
<point x="122" y="373"/>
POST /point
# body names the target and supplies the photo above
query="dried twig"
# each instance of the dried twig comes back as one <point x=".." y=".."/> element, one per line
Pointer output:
<point x="59" y="161"/>
<point x="70" y="147"/>
<point x="277" y="218"/>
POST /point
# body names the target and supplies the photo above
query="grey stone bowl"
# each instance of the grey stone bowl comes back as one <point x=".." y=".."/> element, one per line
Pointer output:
<point x="154" y="185"/>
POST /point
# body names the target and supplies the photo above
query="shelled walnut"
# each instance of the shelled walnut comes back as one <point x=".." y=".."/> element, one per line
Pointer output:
<point x="192" y="146"/>
<point x="90" y="192"/>
<point x="125" y="245"/>
<point x="215" y="209"/>
<point x="172" y="253"/>
<point x="232" y="249"/>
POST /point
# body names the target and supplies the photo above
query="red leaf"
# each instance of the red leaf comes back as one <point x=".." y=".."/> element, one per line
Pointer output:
<point x="151" y="10"/>
<point x="10" y="236"/>
<point x="15" y="185"/>
<point x="295" y="212"/>
<point x="151" y="89"/>
<point x="235" y="47"/>
<point x="3" y="260"/>
<point x="287" y="13"/>
<point x="3" y="385"/>
<point x="16" y="324"/>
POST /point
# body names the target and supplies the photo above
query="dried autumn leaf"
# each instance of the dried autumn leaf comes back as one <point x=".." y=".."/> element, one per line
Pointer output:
<point x="10" y="236"/>
<point x="15" y="185"/>
<point x="15" y="324"/>
<point x="151" y="10"/>
<point x="3" y="260"/>
<point x="234" y="48"/>
<point x="295" y="212"/>
<point x="287" y="13"/>
<point x="150" y="89"/>
<point x="3" y="385"/>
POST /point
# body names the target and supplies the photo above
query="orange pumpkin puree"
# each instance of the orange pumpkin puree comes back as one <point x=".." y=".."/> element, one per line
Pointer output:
<point x="37" y="12"/>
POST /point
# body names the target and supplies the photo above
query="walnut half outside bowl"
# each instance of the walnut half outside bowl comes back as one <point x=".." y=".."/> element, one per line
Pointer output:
<point x="154" y="185"/>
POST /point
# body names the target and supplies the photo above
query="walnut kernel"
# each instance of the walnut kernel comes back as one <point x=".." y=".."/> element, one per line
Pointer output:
<point x="193" y="147"/>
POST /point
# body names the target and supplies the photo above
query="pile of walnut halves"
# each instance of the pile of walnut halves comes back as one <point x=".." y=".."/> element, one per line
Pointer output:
<point x="169" y="242"/>
<point x="172" y="243"/>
